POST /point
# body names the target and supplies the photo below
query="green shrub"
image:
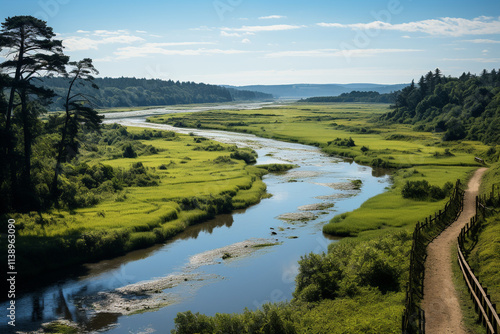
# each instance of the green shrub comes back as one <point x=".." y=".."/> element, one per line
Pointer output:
<point x="422" y="190"/>
<point x="129" y="152"/>
<point x="249" y="157"/>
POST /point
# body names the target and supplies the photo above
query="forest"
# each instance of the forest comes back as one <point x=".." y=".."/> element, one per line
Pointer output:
<point x="134" y="92"/>
<point x="355" y="96"/>
<point x="466" y="107"/>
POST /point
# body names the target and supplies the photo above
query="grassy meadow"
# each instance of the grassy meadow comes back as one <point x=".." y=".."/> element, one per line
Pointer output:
<point x="194" y="179"/>
<point x="416" y="155"/>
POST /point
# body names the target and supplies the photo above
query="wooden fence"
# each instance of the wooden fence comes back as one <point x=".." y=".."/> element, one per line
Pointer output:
<point x="483" y="305"/>
<point x="426" y="231"/>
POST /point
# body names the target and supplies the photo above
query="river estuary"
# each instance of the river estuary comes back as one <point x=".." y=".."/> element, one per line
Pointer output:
<point x="302" y="201"/>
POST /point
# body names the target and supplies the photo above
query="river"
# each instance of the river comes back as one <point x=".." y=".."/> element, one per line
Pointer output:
<point x="263" y="275"/>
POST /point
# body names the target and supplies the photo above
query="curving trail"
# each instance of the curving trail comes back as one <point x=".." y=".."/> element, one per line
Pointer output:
<point x="442" y="309"/>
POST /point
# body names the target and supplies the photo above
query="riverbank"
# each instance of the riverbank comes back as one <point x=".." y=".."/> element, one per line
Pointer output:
<point x="349" y="130"/>
<point x="311" y="183"/>
<point x="184" y="181"/>
<point x="415" y="156"/>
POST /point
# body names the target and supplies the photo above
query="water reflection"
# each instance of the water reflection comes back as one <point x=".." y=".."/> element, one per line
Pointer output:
<point x="192" y="232"/>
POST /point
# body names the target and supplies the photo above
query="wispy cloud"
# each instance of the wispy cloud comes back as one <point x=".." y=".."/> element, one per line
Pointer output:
<point x="162" y="49"/>
<point x="337" y="52"/>
<point x="445" y="26"/>
<point x="477" y="60"/>
<point x="272" y="17"/>
<point x="94" y="39"/>
<point x="202" y="28"/>
<point x="482" y="41"/>
<point x="235" y="34"/>
<point x="276" y="27"/>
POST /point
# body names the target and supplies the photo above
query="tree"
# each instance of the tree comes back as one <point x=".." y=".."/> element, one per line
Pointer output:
<point x="78" y="112"/>
<point x="32" y="52"/>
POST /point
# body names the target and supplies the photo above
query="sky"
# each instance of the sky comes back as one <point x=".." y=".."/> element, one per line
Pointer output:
<point x="246" y="42"/>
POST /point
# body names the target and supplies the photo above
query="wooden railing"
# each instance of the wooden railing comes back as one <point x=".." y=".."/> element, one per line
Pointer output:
<point x="483" y="305"/>
<point x="414" y="317"/>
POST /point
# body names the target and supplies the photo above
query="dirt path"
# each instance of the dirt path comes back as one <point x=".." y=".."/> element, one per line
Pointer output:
<point x="442" y="309"/>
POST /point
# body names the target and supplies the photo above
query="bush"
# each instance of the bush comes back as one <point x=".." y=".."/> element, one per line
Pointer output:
<point x="129" y="152"/>
<point x="422" y="190"/>
<point x="249" y="157"/>
<point x="346" y="142"/>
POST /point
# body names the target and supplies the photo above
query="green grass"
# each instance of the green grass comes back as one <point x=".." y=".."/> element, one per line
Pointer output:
<point x="388" y="146"/>
<point x="371" y="313"/>
<point x="484" y="258"/>
<point x="193" y="186"/>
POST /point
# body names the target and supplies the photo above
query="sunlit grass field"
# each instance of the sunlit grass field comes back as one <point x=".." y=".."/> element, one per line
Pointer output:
<point x="194" y="184"/>
<point x="416" y="155"/>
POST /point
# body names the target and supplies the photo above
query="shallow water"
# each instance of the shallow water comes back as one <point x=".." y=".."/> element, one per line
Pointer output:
<point x="264" y="275"/>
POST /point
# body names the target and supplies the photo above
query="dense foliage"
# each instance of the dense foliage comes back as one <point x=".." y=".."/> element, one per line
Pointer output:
<point x="467" y="107"/>
<point x="132" y="92"/>
<point x="246" y="95"/>
<point x="422" y="190"/>
<point x="350" y="271"/>
<point x="355" y="96"/>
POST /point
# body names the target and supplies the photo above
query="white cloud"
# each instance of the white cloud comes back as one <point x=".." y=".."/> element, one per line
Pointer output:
<point x="159" y="49"/>
<point x="405" y="36"/>
<point x="141" y="32"/>
<point x="99" y="37"/>
<point x="166" y="44"/>
<point x="109" y="32"/>
<point x="230" y="34"/>
<point x="477" y="60"/>
<point x="83" y="32"/>
<point x="482" y="41"/>
<point x="76" y="43"/>
<point x="272" y="17"/>
<point x="337" y="53"/>
<point x="235" y="34"/>
<point x="276" y="27"/>
<point x="445" y="26"/>
<point x="202" y="28"/>
<point x="246" y="41"/>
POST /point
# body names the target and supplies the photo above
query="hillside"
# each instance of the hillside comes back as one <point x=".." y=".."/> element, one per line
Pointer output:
<point x="467" y="107"/>
<point x="310" y="90"/>
<point x="133" y="92"/>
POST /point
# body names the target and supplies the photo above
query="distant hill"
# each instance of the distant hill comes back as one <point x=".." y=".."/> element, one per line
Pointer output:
<point x="299" y="91"/>
<point x="355" y="96"/>
<point x="133" y="92"/>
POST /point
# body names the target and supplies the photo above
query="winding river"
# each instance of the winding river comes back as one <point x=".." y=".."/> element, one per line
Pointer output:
<point x="303" y="200"/>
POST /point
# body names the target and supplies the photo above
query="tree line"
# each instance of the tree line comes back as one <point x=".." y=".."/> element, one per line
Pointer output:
<point x="355" y="96"/>
<point x="134" y="92"/>
<point x="467" y="107"/>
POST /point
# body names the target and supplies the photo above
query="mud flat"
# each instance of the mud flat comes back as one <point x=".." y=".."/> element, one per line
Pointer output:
<point x="236" y="250"/>
<point x="316" y="207"/>
<point x="152" y="294"/>
<point x="297" y="216"/>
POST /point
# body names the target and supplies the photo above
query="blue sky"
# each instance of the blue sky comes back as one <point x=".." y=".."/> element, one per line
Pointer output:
<point x="242" y="42"/>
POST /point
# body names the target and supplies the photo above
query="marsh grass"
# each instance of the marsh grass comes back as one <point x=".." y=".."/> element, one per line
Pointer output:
<point x="191" y="187"/>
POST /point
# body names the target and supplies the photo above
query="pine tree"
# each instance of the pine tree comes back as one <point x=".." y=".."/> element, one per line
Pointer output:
<point x="78" y="112"/>
<point x="32" y="52"/>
